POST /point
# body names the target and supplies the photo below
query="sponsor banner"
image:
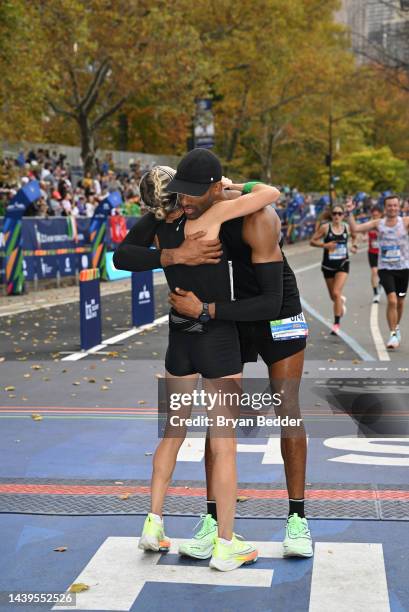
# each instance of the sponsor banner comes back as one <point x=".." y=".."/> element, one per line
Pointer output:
<point x="112" y="272"/>
<point x="143" y="305"/>
<point x="90" y="309"/>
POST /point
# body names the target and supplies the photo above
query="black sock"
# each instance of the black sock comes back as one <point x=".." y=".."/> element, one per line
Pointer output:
<point x="337" y="319"/>
<point x="211" y="508"/>
<point x="296" y="505"/>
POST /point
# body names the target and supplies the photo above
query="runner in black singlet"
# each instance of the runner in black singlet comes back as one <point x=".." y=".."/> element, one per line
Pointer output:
<point x="333" y="238"/>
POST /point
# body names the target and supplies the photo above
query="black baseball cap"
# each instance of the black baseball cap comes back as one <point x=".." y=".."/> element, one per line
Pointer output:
<point x="197" y="171"/>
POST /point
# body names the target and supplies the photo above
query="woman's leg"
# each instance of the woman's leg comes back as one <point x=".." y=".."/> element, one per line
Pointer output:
<point x="164" y="459"/>
<point x="337" y="288"/>
<point x="222" y="463"/>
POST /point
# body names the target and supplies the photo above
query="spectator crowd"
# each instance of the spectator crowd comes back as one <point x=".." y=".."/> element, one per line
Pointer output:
<point x="62" y="192"/>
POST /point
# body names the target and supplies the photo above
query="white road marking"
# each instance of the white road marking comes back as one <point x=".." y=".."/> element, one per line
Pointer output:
<point x="383" y="354"/>
<point x="377" y="448"/>
<point x="114" y="339"/>
<point x="356" y="347"/>
<point x="118" y="571"/>
<point x="349" y="578"/>
<point x="193" y="449"/>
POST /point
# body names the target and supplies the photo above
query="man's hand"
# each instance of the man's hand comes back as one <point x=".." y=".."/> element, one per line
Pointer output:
<point x="186" y="303"/>
<point x="195" y="252"/>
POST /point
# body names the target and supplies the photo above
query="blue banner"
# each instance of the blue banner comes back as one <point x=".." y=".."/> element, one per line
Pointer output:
<point x="143" y="305"/>
<point x="90" y="313"/>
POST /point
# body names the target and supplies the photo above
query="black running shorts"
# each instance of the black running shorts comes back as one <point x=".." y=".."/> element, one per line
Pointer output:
<point x="255" y="339"/>
<point x="394" y="281"/>
<point x="331" y="272"/>
<point x="213" y="354"/>
<point x="373" y="260"/>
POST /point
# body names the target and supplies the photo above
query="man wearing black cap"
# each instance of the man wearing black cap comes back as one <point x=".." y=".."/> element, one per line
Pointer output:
<point x="265" y="291"/>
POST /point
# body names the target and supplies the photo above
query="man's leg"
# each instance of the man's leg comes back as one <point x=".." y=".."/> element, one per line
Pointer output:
<point x="221" y="460"/>
<point x="400" y="306"/>
<point x="392" y="310"/>
<point x="285" y="377"/>
<point x="287" y="373"/>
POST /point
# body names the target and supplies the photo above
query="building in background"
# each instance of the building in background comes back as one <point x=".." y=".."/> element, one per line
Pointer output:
<point x="379" y="28"/>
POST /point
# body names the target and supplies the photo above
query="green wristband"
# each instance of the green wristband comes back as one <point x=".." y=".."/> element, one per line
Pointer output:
<point x="248" y="187"/>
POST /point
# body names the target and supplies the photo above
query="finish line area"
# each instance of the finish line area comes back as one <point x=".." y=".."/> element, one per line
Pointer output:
<point x="79" y="479"/>
<point x="76" y="455"/>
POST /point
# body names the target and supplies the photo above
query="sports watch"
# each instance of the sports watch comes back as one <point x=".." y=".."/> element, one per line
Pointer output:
<point x="204" y="316"/>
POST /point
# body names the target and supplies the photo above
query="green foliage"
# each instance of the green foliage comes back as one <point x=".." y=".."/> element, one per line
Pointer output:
<point x="371" y="170"/>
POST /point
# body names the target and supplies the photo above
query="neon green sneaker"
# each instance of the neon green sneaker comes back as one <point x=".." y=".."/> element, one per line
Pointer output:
<point x="153" y="536"/>
<point x="297" y="542"/>
<point x="202" y="544"/>
<point x="226" y="558"/>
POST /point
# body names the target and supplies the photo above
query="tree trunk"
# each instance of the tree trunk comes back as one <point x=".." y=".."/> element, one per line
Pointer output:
<point x="87" y="144"/>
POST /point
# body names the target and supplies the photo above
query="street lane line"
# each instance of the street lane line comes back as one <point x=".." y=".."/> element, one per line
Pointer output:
<point x="383" y="354"/>
<point x="348" y="577"/>
<point x="114" y="339"/>
<point x="363" y="354"/>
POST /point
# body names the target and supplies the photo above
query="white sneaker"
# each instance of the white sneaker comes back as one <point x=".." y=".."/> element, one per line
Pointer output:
<point x="393" y="341"/>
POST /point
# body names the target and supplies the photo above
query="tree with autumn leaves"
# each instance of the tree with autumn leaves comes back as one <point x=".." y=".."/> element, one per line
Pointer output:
<point x="100" y="74"/>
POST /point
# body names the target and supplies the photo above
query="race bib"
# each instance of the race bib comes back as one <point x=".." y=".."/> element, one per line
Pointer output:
<point x="291" y="328"/>
<point x="374" y="244"/>
<point x="340" y="252"/>
<point x="390" y="254"/>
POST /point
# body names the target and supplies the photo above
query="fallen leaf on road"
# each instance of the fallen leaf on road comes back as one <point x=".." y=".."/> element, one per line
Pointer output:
<point x="104" y="388"/>
<point x="91" y="380"/>
<point x="148" y="454"/>
<point x="36" y="417"/>
<point x="242" y="498"/>
<point x="108" y="379"/>
<point x="60" y="549"/>
<point x="78" y="587"/>
<point x="10" y="388"/>
<point x="27" y="375"/>
<point x="125" y="496"/>
<point x="141" y="402"/>
<point x="36" y="367"/>
<point x="118" y="482"/>
<point x="76" y="383"/>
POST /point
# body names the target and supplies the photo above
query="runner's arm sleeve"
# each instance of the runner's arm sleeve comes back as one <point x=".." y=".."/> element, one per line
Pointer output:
<point x="133" y="253"/>
<point x="263" y="307"/>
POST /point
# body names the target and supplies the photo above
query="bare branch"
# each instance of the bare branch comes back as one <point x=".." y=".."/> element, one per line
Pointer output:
<point x="90" y="97"/>
<point x="61" y="111"/>
<point x="107" y="113"/>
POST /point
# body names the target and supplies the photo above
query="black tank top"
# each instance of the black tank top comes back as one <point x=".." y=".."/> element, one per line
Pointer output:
<point x="209" y="282"/>
<point x="340" y="255"/>
<point x="245" y="281"/>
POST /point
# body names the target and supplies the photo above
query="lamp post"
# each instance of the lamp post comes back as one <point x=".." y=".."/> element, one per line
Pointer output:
<point x="329" y="158"/>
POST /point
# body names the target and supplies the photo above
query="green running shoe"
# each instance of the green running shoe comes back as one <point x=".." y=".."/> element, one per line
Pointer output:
<point x="153" y="536"/>
<point x="297" y="542"/>
<point x="229" y="557"/>
<point x="202" y="544"/>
